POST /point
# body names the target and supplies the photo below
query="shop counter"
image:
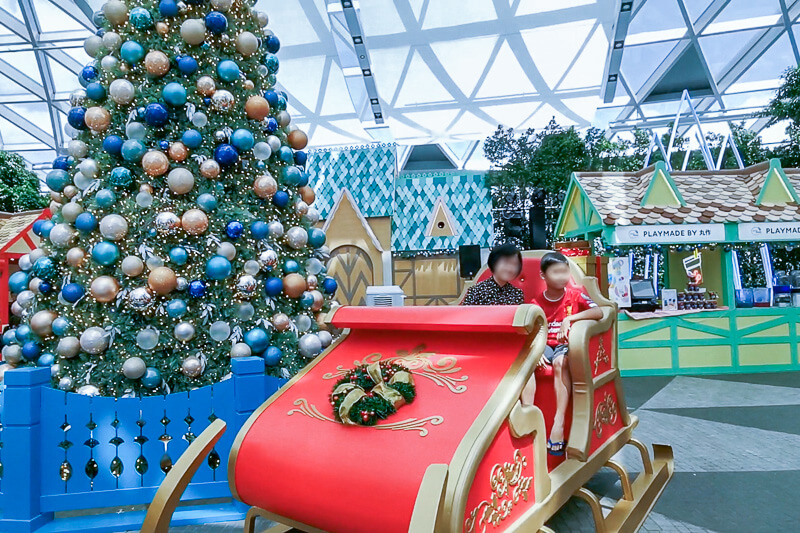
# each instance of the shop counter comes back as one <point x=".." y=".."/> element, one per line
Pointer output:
<point x="750" y="340"/>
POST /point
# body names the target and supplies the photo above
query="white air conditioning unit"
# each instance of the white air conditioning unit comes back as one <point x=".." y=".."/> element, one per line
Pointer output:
<point x="385" y="296"/>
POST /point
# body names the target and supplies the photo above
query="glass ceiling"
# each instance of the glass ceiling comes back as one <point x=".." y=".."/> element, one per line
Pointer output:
<point x="445" y="71"/>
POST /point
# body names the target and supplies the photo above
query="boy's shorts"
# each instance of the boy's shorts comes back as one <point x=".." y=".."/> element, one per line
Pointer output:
<point x="551" y="353"/>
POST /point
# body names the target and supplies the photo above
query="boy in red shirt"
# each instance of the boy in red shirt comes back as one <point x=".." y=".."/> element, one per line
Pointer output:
<point x="562" y="305"/>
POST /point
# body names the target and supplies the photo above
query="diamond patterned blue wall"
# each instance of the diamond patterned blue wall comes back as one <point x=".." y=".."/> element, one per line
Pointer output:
<point x="463" y="192"/>
<point x="368" y="172"/>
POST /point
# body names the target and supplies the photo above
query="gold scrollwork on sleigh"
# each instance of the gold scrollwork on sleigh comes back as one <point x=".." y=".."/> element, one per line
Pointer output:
<point x="508" y="487"/>
<point x="601" y="356"/>
<point x="605" y="414"/>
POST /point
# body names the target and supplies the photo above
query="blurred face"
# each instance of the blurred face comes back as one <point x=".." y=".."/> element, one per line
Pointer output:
<point x="506" y="268"/>
<point x="557" y="276"/>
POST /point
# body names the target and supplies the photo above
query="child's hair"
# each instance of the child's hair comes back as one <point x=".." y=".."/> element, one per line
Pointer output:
<point x="504" y="250"/>
<point x="552" y="258"/>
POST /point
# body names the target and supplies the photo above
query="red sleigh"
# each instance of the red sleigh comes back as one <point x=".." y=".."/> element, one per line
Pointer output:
<point x="465" y="456"/>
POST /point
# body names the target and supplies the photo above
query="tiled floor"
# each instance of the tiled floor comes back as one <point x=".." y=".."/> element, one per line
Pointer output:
<point x="736" y="441"/>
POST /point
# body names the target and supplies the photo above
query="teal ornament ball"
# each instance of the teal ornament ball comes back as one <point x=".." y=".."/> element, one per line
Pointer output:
<point x="132" y="52"/>
<point x="140" y="18"/>
<point x="207" y="202"/>
<point x="316" y="237"/>
<point x="228" y="70"/>
<point x="57" y="179"/>
<point x="133" y="150"/>
<point x="18" y="281"/>
<point x="60" y="326"/>
<point x="174" y="94"/>
<point x="272" y="63"/>
<point x="290" y="266"/>
<point x="120" y="177"/>
<point x="105" y="198"/>
<point x="257" y="339"/>
<point x="178" y="255"/>
<point x="44" y="268"/>
<point x="176" y="308"/>
<point x="105" y="253"/>
<point x="218" y="268"/>
<point x="242" y="139"/>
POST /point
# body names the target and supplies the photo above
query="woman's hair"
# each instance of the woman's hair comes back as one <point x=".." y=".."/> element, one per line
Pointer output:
<point x="552" y="258"/>
<point x="504" y="250"/>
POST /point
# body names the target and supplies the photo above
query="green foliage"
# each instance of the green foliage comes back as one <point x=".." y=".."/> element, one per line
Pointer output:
<point x="19" y="187"/>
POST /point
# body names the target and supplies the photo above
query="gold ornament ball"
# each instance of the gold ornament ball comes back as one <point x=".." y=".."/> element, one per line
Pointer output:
<point x="194" y="222"/>
<point x="162" y="28"/>
<point x="146" y="187"/>
<point x="248" y="85"/>
<point x="318" y="300"/>
<point x="265" y="186"/>
<point x="75" y="256"/>
<point x="155" y="163"/>
<point x="246" y="43"/>
<point x="257" y="108"/>
<point x="209" y="169"/>
<point x="70" y="191"/>
<point x="297" y="139"/>
<point x="97" y="118"/>
<point x="156" y="63"/>
<point x="178" y="151"/>
<point x="104" y="288"/>
<point x="42" y="323"/>
<point x="294" y="284"/>
<point x="307" y="194"/>
<point x="206" y="85"/>
<point x="162" y="280"/>
<point x="281" y="321"/>
<point x="116" y="12"/>
<point x="56" y="197"/>
<point x="132" y="266"/>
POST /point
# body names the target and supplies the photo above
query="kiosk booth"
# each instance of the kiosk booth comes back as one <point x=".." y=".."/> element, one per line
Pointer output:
<point x="681" y="219"/>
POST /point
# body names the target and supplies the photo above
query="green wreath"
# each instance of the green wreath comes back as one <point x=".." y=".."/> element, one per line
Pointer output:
<point x="369" y="393"/>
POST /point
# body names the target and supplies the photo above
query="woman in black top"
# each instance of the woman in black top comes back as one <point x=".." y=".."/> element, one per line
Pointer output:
<point x="505" y="262"/>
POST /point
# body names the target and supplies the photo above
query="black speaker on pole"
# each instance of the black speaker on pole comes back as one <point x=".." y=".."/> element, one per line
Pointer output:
<point x="537" y="221"/>
<point x="469" y="260"/>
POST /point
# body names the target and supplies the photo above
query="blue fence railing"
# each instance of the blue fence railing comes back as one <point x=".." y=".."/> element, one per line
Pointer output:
<point x="68" y="452"/>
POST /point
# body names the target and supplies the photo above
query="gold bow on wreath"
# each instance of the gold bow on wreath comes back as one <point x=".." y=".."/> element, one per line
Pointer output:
<point x="372" y="392"/>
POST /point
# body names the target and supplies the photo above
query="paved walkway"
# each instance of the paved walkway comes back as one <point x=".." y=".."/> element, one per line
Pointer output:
<point x="736" y="441"/>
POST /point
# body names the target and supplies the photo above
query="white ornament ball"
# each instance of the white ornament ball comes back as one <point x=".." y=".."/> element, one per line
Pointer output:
<point x="325" y="338"/>
<point x="12" y="353"/>
<point x="262" y="18"/>
<point x="25" y="299"/>
<point x="94" y="340"/>
<point x="81" y="180"/>
<point x="61" y="235"/>
<point x="192" y="366"/>
<point x="65" y="383"/>
<point x="109" y="63"/>
<point x="144" y="199"/>
<point x="262" y="151"/>
<point x="153" y="262"/>
<point x="70" y="211"/>
<point x="132" y="266"/>
<point x="252" y="267"/>
<point x="246" y="43"/>
<point x="68" y="347"/>
<point x="88" y="390"/>
<point x="274" y="143"/>
<point x="268" y="259"/>
<point x="184" y="331"/>
<point x="147" y="339"/>
<point x="136" y="130"/>
<point x="77" y="149"/>
<point x="180" y="180"/>
<point x="121" y="91"/>
<point x="113" y="227"/>
<point x="227" y="250"/>
<point x="133" y="368"/>
<point x="193" y="31"/>
<point x="17" y="309"/>
<point x="219" y="330"/>
<point x="246" y="286"/>
<point x="199" y="119"/>
<point x="275" y="229"/>
<point x="303" y="322"/>
<point x="25" y="262"/>
<point x="92" y="45"/>
<point x="297" y="237"/>
<point x="37" y="253"/>
<point x="241" y="349"/>
<point x="221" y="5"/>
<point x="140" y="298"/>
<point x="112" y="40"/>
<point x="89" y="168"/>
<point x="309" y="345"/>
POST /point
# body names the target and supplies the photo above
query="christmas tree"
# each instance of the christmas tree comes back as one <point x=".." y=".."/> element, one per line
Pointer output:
<point x="182" y="233"/>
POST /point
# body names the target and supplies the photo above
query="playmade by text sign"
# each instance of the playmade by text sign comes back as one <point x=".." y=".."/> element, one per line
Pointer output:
<point x="669" y="233"/>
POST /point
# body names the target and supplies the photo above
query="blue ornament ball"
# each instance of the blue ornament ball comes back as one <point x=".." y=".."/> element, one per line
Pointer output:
<point x="192" y="138"/>
<point x="45" y="228"/>
<point x="31" y="350"/>
<point x="316" y="237"/>
<point x="113" y="144"/>
<point x="197" y="288"/>
<point x="140" y="18"/>
<point x="86" y="222"/>
<point x="60" y="326"/>
<point x="23" y="333"/>
<point x="133" y="150"/>
<point x="37" y="227"/>
<point x="329" y="285"/>
<point x="272" y="125"/>
<point x="18" y="281"/>
<point x="76" y="116"/>
<point x="216" y="22"/>
<point x="46" y="359"/>
<point x="228" y="70"/>
<point x="156" y="115"/>
<point x="290" y="266"/>
<point x="218" y="268"/>
<point x="257" y="339"/>
<point x="272" y="356"/>
<point x="62" y="162"/>
<point x="45" y="286"/>
<point x="303" y="181"/>
<point x="207" y="202"/>
<point x="95" y="91"/>
<point x="271" y="97"/>
<point x="57" y="179"/>
<point x="300" y="158"/>
<point x="226" y="155"/>
<point x="281" y="199"/>
<point x="307" y="299"/>
<point x="9" y="337"/>
<point x="105" y="253"/>
<point x="285" y="154"/>
<point x="272" y="63"/>
<point x="72" y="292"/>
<point x="120" y="177"/>
<point x="176" y="308"/>
<point x="174" y="94"/>
<point x="187" y="65"/>
<point x="131" y="52"/>
<point x="164" y="145"/>
<point x="243" y="139"/>
<point x="178" y="255"/>
<point x="272" y="44"/>
<point x="89" y="73"/>
<point x="234" y="229"/>
<point x="273" y="286"/>
<point x="259" y="229"/>
<point x="105" y="198"/>
<point x="151" y="378"/>
<point x="168" y="8"/>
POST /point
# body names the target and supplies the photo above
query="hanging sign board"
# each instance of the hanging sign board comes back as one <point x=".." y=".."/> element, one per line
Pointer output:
<point x="769" y="231"/>
<point x="669" y="233"/>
